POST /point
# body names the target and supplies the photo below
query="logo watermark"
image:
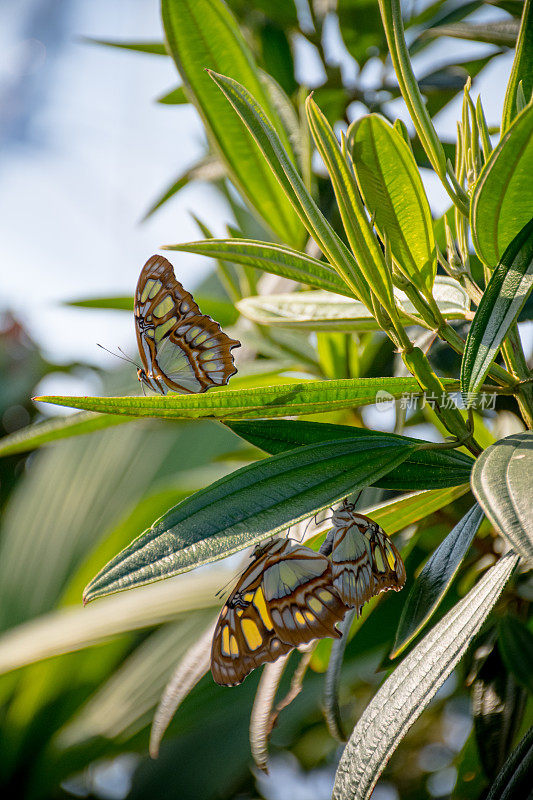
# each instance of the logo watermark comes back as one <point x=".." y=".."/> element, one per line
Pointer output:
<point x="408" y="401"/>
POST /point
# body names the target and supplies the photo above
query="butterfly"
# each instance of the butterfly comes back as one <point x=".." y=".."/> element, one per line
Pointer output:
<point x="284" y="598"/>
<point x="181" y="349"/>
<point x="364" y="561"/>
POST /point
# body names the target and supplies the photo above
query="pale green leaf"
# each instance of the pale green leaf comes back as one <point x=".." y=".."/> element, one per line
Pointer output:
<point x="412" y="685"/>
<point x="502" y="481"/>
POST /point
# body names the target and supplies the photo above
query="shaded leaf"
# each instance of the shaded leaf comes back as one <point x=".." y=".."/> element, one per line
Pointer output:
<point x="404" y="695"/>
<point x="502" y="301"/>
<point x="515" y="642"/>
<point x="514" y="779"/>
<point x="503" y="33"/>
<point x="435" y="579"/>
<point x="154" y="48"/>
<point x="425" y="469"/>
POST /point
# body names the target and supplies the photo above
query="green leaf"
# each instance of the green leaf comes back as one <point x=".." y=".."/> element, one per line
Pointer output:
<point x="522" y="71"/>
<point x="245" y="507"/>
<point x="154" y="48"/>
<point x="202" y="34"/>
<point x="502" y="301"/>
<point x="274" y="258"/>
<point x="52" y="430"/>
<point x="435" y="579"/>
<point x="288" y="399"/>
<point x="502" y="33"/>
<point x="221" y="310"/>
<point x="412" y="685"/>
<point x="502" y="481"/>
<point x="117" y="303"/>
<point x="394" y="194"/>
<point x="72" y="628"/>
<point x="513" y="781"/>
<point x="176" y="97"/>
<point x="206" y="169"/>
<point x="282" y="166"/>
<point x="503" y="196"/>
<point x="323" y="311"/>
<point x="515" y="642"/>
<point x="372" y="266"/>
<point x="425" y="469"/>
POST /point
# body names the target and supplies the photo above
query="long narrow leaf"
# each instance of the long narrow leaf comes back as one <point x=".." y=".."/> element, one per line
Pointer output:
<point x="308" y="397"/>
<point x="505" y="296"/>
<point x="522" y="71"/>
<point x="425" y="469"/>
<point x="283" y="168"/>
<point x="394" y="194"/>
<point x="503" y="197"/>
<point x="204" y="33"/>
<point x="274" y="258"/>
<point x="435" y="579"/>
<point x="404" y="695"/>
<point x="245" y="507"/>
<point x="358" y="230"/>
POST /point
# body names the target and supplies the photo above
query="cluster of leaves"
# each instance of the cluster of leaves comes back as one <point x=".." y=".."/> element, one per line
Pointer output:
<point x="362" y="241"/>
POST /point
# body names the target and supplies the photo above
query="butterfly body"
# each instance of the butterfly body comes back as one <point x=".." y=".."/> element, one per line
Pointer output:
<point x="181" y="349"/>
<point x="282" y="600"/>
<point x="364" y="561"/>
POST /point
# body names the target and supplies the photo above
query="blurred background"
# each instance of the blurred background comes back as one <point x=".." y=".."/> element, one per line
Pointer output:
<point x="87" y="150"/>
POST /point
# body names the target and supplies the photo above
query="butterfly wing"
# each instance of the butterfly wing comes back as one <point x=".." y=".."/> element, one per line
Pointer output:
<point x="244" y="636"/>
<point x="181" y="349"/>
<point x="300" y="598"/>
<point x="364" y="561"/>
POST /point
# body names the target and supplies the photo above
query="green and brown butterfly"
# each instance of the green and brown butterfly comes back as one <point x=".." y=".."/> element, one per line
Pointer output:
<point x="181" y="349"/>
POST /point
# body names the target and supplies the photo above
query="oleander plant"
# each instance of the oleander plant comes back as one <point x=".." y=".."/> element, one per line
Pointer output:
<point x="385" y="367"/>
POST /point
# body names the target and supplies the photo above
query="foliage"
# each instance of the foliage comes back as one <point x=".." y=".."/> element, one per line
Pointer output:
<point x="356" y="255"/>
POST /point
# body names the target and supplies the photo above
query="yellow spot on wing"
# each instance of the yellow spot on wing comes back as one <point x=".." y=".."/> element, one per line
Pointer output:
<point x="378" y="558"/>
<point x="315" y="605"/>
<point x="148" y="286"/>
<point x="324" y="595"/>
<point x="163" y="307"/>
<point x="259" y="603"/>
<point x="251" y="634"/>
<point x="225" y="640"/>
<point x="249" y="596"/>
<point x="299" y="617"/>
<point x="164" y="328"/>
<point x="233" y="646"/>
<point x="154" y="290"/>
<point x="309" y="617"/>
<point x="391" y="558"/>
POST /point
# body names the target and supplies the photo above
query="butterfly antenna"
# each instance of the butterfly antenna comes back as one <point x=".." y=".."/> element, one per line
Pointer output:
<point x="230" y="581"/>
<point x="123" y="357"/>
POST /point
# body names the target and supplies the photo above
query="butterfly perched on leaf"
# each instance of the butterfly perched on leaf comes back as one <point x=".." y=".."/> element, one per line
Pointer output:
<point x="364" y="561"/>
<point x="284" y="598"/>
<point x="181" y="349"/>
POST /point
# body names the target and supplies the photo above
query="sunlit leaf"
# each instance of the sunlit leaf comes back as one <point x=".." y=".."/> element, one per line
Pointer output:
<point x="503" y="196"/>
<point x="269" y="401"/>
<point x="502" y="481"/>
<point x="245" y="507"/>
<point x="404" y="695"/>
<point x="394" y="194"/>
<point x="522" y="70"/>
<point x="324" y="311"/>
<point x="204" y="34"/>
